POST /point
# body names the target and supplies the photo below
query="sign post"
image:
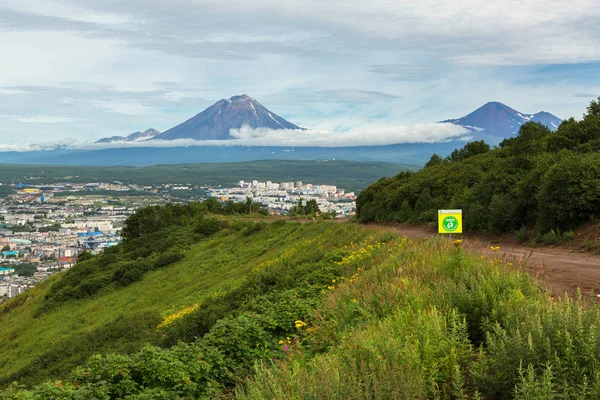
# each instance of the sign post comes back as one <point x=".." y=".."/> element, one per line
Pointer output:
<point x="450" y="221"/>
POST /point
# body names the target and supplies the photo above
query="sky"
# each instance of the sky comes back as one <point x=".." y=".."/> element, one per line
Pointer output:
<point x="76" y="71"/>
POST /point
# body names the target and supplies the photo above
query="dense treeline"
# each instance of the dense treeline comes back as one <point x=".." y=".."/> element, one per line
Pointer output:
<point x="541" y="179"/>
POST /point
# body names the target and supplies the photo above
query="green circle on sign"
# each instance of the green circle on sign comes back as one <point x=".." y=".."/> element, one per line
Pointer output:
<point x="450" y="224"/>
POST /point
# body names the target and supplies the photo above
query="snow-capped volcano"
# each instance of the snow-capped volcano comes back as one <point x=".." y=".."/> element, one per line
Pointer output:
<point x="498" y="121"/>
<point x="215" y="122"/>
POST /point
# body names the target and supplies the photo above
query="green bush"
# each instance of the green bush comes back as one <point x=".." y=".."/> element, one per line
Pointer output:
<point x="554" y="237"/>
<point x="522" y="234"/>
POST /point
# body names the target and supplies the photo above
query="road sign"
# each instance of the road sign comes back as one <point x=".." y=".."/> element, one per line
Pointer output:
<point x="450" y="221"/>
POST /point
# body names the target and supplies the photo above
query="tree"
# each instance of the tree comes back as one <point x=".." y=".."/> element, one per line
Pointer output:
<point x="311" y="208"/>
<point x="469" y="150"/>
<point x="594" y="108"/>
<point x="434" y="160"/>
<point x="569" y="192"/>
<point x="424" y="207"/>
<point x="405" y="212"/>
<point x="84" y="256"/>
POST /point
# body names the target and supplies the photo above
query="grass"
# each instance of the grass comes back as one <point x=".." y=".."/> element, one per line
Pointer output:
<point x="590" y="245"/>
<point x="433" y="322"/>
<point x="209" y="266"/>
<point x="326" y="310"/>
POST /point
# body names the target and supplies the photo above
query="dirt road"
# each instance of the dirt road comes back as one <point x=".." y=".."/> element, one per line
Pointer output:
<point x="560" y="270"/>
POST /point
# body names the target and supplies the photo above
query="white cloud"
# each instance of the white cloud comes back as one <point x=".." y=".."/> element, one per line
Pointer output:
<point x="21" y="147"/>
<point x="10" y="92"/>
<point x="510" y="32"/>
<point x="372" y="135"/>
<point x="39" y="119"/>
<point x="68" y="11"/>
<point x="126" y="107"/>
<point x="329" y="64"/>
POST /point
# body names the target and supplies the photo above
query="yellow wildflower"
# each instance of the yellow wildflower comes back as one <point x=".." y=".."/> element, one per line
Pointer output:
<point x="173" y="317"/>
<point x="299" y="324"/>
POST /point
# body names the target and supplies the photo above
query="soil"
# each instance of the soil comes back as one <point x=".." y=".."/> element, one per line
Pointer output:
<point x="562" y="270"/>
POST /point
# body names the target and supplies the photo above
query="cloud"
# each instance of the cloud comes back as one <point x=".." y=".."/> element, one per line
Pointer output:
<point x="372" y="135"/>
<point x="400" y="72"/>
<point x="313" y="62"/>
<point x="68" y="11"/>
<point x="4" y="147"/>
<point x="126" y="106"/>
<point x="586" y="95"/>
<point x="39" y="119"/>
<point x="9" y="92"/>
<point x="340" y="96"/>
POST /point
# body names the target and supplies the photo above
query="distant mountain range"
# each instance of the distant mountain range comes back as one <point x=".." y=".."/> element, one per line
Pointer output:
<point x="495" y="121"/>
<point x="491" y="122"/>
<point x="134" y="137"/>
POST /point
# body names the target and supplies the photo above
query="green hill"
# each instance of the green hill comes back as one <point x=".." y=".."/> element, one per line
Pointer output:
<point x="540" y="180"/>
<point x="205" y="307"/>
<point x="44" y="337"/>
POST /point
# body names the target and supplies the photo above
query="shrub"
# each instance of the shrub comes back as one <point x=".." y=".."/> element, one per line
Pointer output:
<point x="554" y="237"/>
<point x="522" y="234"/>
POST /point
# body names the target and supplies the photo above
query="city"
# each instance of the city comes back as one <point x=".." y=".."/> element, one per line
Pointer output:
<point x="45" y="228"/>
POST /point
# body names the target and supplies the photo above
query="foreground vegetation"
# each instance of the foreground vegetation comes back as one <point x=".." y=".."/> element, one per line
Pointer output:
<point x="349" y="175"/>
<point x="538" y="180"/>
<point x="285" y="310"/>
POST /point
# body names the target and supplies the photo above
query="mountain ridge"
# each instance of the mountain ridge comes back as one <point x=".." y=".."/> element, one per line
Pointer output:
<point x="134" y="137"/>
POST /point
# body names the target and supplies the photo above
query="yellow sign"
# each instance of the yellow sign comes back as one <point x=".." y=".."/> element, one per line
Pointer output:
<point x="450" y="221"/>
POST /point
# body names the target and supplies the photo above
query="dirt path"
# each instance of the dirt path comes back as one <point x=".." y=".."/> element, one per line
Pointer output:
<point x="560" y="270"/>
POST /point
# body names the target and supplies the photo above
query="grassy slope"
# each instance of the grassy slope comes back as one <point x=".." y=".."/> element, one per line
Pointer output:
<point x="431" y="321"/>
<point x="412" y="319"/>
<point x="210" y="265"/>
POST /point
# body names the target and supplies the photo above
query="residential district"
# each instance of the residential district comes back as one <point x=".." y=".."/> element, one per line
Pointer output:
<point x="44" y="228"/>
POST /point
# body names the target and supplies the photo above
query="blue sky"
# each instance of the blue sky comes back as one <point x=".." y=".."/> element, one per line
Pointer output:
<point x="75" y="71"/>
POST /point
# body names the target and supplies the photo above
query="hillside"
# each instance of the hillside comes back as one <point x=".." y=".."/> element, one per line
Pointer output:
<point x="540" y="180"/>
<point x="123" y="314"/>
<point x="286" y="310"/>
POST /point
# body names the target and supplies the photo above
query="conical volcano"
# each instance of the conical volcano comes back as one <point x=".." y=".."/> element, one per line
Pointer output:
<point x="215" y="122"/>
